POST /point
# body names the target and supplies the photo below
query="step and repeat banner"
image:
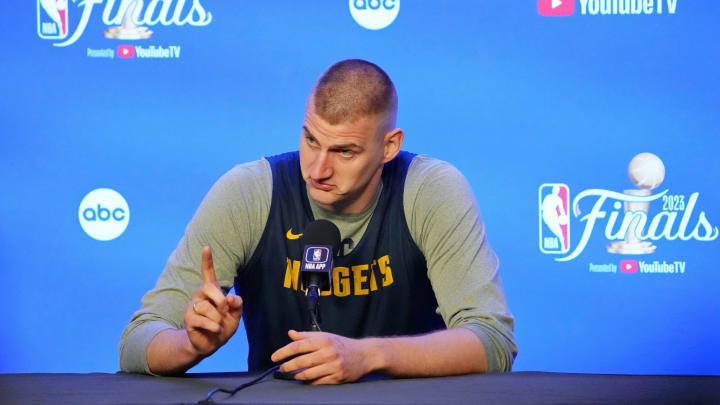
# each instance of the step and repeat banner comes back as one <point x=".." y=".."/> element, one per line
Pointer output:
<point x="589" y="131"/>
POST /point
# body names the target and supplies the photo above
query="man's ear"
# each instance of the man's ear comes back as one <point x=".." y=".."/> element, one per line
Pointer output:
<point x="392" y="144"/>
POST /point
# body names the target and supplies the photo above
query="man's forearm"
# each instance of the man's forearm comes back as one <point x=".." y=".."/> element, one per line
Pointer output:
<point x="446" y="352"/>
<point x="170" y="352"/>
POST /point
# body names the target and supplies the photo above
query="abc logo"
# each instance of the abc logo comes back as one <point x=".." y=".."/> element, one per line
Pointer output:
<point x="104" y="214"/>
<point x="374" y="14"/>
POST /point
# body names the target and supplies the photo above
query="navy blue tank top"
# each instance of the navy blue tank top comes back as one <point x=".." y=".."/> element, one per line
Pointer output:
<point x="380" y="288"/>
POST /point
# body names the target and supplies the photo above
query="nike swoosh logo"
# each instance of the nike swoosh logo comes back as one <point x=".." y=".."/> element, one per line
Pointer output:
<point x="291" y="235"/>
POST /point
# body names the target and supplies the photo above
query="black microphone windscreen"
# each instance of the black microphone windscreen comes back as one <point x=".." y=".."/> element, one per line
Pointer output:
<point x="322" y="232"/>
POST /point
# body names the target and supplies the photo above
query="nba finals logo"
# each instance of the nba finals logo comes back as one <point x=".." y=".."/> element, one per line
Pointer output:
<point x="125" y="19"/>
<point x="631" y="223"/>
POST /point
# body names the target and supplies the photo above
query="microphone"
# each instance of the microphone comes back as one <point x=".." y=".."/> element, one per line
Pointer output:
<point x="321" y="239"/>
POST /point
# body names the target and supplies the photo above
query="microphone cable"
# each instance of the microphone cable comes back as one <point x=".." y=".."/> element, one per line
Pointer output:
<point x="208" y="397"/>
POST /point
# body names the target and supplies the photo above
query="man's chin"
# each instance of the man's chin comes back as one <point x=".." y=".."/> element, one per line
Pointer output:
<point x="325" y="199"/>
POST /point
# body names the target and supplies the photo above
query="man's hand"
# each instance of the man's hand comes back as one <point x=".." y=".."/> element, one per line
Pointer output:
<point x="210" y="317"/>
<point x="324" y="358"/>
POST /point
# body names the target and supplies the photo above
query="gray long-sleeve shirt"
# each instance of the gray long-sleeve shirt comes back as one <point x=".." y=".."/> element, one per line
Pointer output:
<point x="444" y="223"/>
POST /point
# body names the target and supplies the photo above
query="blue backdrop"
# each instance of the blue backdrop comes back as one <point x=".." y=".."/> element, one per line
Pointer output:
<point x="515" y="99"/>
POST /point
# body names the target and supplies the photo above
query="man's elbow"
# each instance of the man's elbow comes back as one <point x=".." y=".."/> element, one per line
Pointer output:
<point x="505" y="358"/>
<point x="128" y="361"/>
<point x="498" y="352"/>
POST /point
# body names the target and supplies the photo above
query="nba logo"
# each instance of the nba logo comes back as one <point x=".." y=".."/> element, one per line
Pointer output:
<point x="554" y="219"/>
<point x="317" y="255"/>
<point x="52" y="19"/>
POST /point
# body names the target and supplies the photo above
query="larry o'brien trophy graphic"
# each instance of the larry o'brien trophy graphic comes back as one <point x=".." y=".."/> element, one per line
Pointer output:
<point x="128" y="29"/>
<point x="646" y="171"/>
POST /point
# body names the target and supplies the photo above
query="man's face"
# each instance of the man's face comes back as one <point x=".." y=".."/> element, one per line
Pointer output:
<point x="342" y="163"/>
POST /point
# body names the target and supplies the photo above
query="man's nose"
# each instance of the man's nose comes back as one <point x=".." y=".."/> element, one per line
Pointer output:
<point x="321" y="168"/>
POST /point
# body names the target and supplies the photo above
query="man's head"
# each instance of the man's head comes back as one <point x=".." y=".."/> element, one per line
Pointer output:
<point x="348" y="134"/>
<point x="353" y="89"/>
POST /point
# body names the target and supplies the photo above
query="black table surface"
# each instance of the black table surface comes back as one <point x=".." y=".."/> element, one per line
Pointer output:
<point x="507" y="388"/>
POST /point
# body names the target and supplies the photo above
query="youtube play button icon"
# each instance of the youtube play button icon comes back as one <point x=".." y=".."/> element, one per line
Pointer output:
<point x="125" y="51"/>
<point x="556" y="8"/>
<point x="628" y="266"/>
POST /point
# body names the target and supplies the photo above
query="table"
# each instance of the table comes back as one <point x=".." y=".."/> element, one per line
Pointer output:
<point x="507" y="388"/>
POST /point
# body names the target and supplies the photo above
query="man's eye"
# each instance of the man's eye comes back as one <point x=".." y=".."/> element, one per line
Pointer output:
<point x="310" y="140"/>
<point x="347" y="153"/>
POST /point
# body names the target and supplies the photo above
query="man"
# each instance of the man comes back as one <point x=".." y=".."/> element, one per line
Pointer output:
<point x="416" y="291"/>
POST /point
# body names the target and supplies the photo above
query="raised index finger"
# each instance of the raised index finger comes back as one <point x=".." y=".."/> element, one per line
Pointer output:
<point x="208" y="270"/>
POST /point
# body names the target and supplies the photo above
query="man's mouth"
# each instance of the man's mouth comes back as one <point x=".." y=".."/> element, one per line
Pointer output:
<point x="321" y="186"/>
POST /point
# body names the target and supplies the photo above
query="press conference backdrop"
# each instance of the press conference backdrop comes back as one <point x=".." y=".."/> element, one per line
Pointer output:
<point x="541" y="104"/>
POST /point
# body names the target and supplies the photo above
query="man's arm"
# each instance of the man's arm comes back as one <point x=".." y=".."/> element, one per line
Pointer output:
<point x="445" y="352"/>
<point x="445" y="223"/>
<point x="210" y="321"/>
<point x="230" y="220"/>
<point x="170" y="352"/>
<point x="326" y="358"/>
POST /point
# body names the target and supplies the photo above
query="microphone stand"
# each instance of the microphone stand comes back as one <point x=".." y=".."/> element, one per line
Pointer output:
<point x="313" y="298"/>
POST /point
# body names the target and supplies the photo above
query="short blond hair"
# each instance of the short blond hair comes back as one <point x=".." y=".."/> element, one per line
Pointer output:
<point x="352" y="89"/>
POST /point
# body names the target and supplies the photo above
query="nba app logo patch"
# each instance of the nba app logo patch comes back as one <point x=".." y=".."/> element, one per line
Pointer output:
<point x="52" y="19"/>
<point x="316" y="254"/>
<point x="555" y="8"/>
<point x="554" y="218"/>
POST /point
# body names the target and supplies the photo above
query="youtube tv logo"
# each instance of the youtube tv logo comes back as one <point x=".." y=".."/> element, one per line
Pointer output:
<point x="628" y="266"/>
<point x="556" y="8"/>
<point x="125" y="51"/>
